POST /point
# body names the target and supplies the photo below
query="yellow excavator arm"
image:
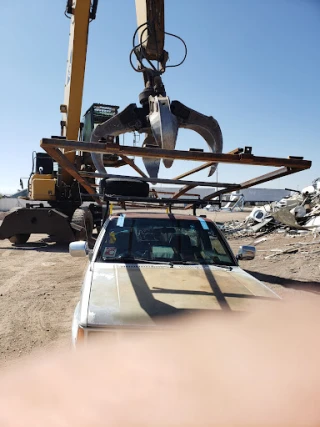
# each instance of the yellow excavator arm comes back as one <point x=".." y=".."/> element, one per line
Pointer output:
<point x="158" y="118"/>
<point x="81" y="12"/>
<point x="150" y="19"/>
<point x="77" y="52"/>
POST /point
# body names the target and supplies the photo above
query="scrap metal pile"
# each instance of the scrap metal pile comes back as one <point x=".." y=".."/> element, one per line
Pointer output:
<point x="296" y="214"/>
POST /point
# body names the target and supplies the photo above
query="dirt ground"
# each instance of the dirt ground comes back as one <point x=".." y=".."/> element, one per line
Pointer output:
<point x="40" y="284"/>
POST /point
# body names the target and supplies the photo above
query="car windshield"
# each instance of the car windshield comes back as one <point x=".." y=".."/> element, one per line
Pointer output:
<point x="163" y="240"/>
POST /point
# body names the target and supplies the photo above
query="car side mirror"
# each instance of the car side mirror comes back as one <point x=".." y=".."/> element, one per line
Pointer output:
<point x="78" y="249"/>
<point x="246" y="253"/>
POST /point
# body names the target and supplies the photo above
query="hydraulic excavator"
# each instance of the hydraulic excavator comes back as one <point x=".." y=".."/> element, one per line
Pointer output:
<point x="66" y="218"/>
<point x="65" y="174"/>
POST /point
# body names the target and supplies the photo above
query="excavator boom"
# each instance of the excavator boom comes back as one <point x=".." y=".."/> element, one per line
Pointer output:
<point x="150" y="20"/>
<point x="80" y="13"/>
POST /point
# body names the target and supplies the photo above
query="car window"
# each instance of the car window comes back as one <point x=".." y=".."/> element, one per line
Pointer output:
<point x="163" y="239"/>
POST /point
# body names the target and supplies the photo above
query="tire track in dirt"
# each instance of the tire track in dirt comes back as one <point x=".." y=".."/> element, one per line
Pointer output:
<point x="6" y="254"/>
<point x="38" y="292"/>
<point x="16" y="278"/>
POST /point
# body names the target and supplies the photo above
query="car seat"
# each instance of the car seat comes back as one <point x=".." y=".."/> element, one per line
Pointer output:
<point x="122" y="243"/>
<point x="182" y="247"/>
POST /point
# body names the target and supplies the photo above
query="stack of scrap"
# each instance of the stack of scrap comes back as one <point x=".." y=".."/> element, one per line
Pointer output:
<point x="297" y="214"/>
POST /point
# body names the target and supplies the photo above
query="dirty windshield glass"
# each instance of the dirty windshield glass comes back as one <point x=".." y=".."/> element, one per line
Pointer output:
<point x="163" y="240"/>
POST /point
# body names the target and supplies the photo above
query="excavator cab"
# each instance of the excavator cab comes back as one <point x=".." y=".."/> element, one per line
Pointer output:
<point x="43" y="180"/>
<point x="96" y="114"/>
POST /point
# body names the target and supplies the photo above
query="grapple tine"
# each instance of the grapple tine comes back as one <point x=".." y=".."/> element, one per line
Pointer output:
<point x="128" y="120"/>
<point x="152" y="165"/>
<point x="206" y="126"/>
<point x="164" y="124"/>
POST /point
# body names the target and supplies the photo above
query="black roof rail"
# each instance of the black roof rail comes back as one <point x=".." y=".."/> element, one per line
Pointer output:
<point x="159" y="202"/>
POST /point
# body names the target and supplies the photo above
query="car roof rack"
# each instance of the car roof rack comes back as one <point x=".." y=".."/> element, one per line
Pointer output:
<point x="152" y="202"/>
<point x="56" y="148"/>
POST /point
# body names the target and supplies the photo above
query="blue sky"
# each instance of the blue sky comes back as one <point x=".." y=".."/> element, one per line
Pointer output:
<point x="252" y="64"/>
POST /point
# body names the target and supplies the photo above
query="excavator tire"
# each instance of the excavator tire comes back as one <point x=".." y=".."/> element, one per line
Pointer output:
<point x="19" y="239"/>
<point x="124" y="187"/>
<point x="83" y="218"/>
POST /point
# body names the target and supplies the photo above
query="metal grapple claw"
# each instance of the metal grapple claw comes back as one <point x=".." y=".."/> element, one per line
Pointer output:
<point x="206" y="126"/>
<point x="152" y="165"/>
<point x="160" y="121"/>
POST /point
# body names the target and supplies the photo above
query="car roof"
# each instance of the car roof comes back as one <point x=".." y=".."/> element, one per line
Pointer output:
<point x="159" y="215"/>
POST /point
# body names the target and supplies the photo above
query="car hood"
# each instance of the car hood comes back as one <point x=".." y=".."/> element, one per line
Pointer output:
<point x="139" y="295"/>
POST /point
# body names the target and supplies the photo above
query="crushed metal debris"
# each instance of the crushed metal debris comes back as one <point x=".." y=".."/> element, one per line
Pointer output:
<point x="298" y="214"/>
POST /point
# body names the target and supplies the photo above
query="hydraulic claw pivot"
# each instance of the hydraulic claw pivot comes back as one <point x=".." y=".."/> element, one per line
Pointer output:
<point x="206" y="126"/>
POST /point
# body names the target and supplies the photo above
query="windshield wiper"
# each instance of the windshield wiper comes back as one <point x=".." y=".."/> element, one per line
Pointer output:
<point x="225" y="267"/>
<point x="133" y="259"/>
<point x="184" y="262"/>
<point x="149" y="261"/>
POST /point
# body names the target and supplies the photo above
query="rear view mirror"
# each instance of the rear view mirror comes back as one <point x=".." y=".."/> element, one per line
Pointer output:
<point x="78" y="249"/>
<point x="246" y="253"/>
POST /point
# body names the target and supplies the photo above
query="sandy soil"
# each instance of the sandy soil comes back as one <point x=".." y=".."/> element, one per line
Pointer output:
<point x="40" y="284"/>
<point x="39" y="287"/>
